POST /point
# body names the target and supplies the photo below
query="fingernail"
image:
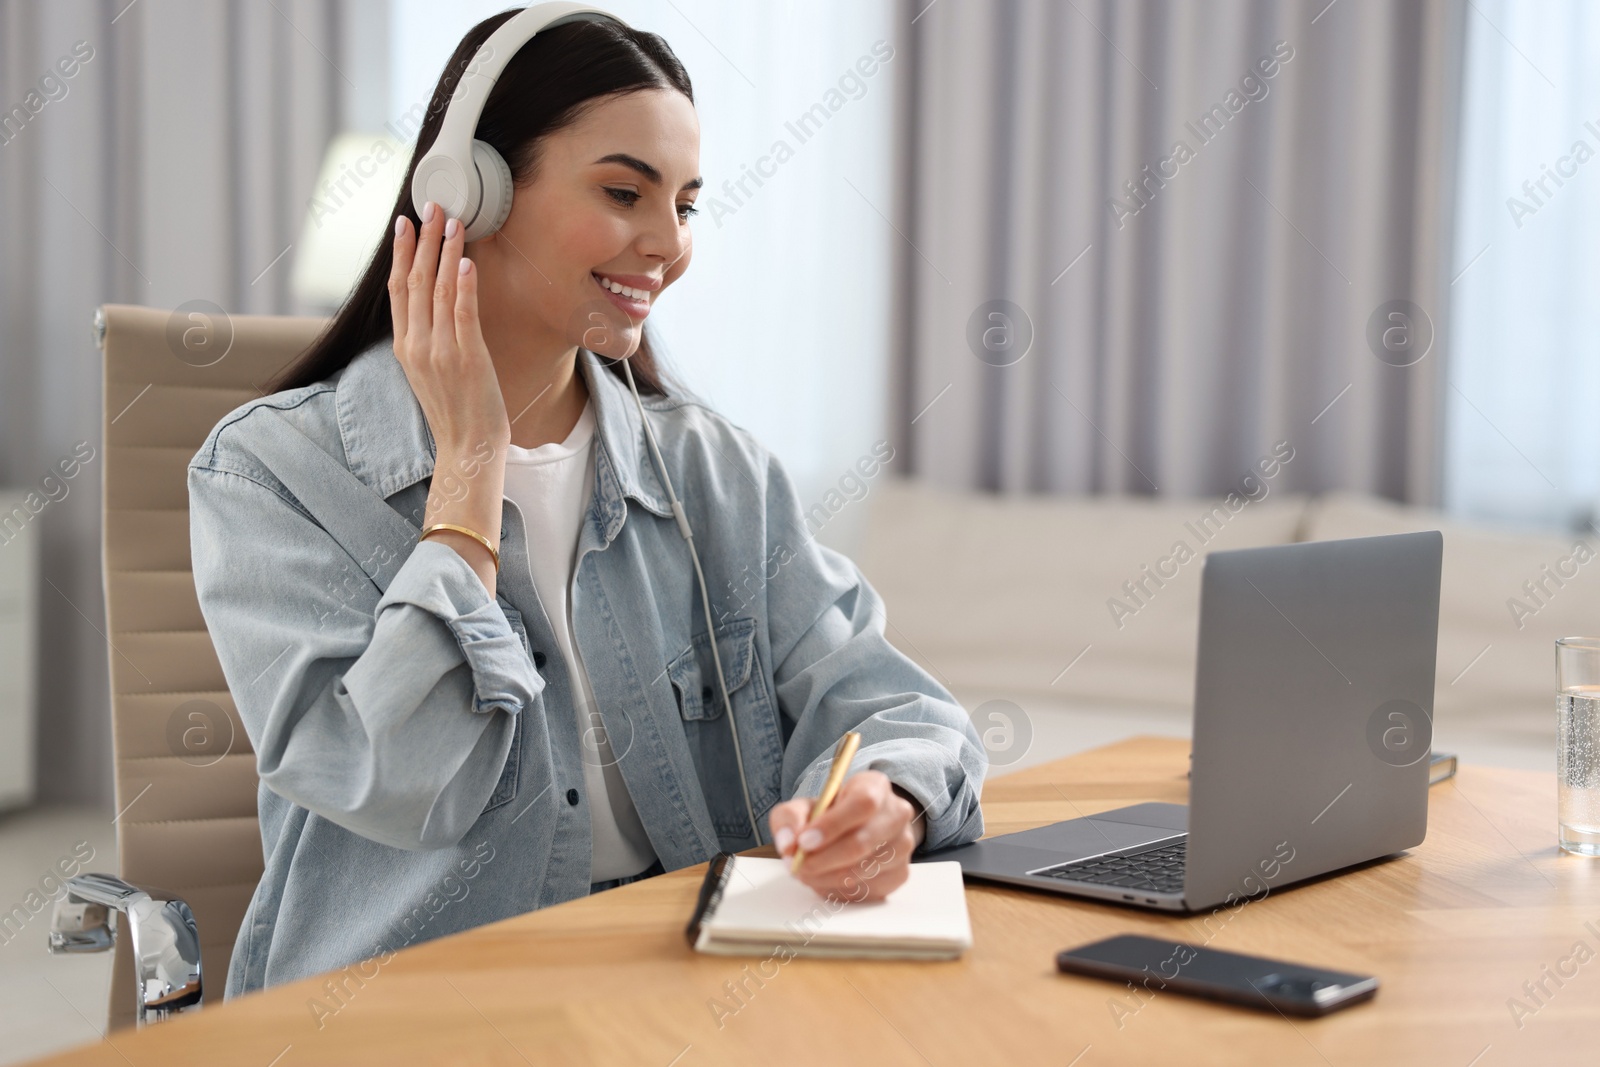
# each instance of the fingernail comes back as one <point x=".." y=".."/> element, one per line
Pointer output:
<point x="810" y="839"/>
<point x="783" y="839"/>
<point x="466" y="265"/>
<point x="399" y="225"/>
<point x="451" y="227"/>
<point x="427" y="211"/>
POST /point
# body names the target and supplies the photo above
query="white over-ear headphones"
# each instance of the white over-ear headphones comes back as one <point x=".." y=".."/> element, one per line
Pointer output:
<point x="466" y="177"/>
<point x="470" y="181"/>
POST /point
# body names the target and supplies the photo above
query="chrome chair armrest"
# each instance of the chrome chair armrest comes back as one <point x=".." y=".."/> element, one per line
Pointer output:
<point x="166" y="942"/>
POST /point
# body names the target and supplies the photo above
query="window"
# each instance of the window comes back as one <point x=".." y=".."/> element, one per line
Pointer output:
<point x="1523" y="405"/>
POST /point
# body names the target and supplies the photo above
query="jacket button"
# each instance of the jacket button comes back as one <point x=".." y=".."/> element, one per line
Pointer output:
<point x="538" y="660"/>
<point x="572" y="797"/>
<point x="705" y="694"/>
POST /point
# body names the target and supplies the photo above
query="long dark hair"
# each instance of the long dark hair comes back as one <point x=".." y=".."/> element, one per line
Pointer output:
<point x="542" y="89"/>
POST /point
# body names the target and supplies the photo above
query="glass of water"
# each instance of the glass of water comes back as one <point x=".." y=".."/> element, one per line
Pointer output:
<point x="1578" y="743"/>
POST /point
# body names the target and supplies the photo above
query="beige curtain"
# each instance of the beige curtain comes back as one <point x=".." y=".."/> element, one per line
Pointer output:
<point x="1146" y="241"/>
<point x="173" y="164"/>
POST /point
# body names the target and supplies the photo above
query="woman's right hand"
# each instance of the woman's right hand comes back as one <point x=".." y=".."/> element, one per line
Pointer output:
<point x="438" y="339"/>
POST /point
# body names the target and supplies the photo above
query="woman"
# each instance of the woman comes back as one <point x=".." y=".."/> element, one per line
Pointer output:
<point x="516" y="709"/>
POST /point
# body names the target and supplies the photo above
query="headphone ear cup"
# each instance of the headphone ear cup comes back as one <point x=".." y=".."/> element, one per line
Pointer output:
<point x="495" y="177"/>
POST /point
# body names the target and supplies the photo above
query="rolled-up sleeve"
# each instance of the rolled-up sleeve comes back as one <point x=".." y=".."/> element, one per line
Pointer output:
<point x="390" y="715"/>
<point x="836" y="671"/>
<point x="438" y="581"/>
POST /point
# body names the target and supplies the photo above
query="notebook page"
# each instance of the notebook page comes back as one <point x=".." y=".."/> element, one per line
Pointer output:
<point x="761" y="898"/>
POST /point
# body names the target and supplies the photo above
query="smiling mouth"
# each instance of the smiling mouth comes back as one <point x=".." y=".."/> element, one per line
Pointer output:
<point x="642" y="296"/>
<point x="630" y="298"/>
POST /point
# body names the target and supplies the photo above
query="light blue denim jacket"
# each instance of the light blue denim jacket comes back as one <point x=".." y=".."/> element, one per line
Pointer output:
<point x="416" y="740"/>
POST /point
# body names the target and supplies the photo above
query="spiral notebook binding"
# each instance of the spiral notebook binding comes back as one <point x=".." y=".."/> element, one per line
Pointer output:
<point x="711" y="889"/>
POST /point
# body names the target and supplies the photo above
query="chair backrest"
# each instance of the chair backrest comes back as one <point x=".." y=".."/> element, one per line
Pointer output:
<point x="185" y="771"/>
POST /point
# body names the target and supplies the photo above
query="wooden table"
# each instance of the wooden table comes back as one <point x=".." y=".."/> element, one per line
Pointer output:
<point x="1454" y="929"/>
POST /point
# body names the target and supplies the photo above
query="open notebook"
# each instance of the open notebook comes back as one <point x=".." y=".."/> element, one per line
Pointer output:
<point x="753" y="907"/>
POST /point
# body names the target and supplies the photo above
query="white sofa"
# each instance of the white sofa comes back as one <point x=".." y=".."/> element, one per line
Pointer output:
<point x="998" y="595"/>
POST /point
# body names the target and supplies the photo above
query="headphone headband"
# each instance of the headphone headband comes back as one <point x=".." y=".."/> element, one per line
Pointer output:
<point x="466" y="177"/>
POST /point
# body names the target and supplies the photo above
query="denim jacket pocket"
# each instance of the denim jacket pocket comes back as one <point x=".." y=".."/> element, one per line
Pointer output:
<point x="506" y="788"/>
<point x="691" y="672"/>
<point x="706" y="726"/>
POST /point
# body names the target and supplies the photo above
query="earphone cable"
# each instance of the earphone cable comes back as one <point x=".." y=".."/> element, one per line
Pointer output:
<point x="705" y="600"/>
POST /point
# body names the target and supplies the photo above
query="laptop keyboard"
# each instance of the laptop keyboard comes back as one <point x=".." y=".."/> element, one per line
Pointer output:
<point x="1159" y="870"/>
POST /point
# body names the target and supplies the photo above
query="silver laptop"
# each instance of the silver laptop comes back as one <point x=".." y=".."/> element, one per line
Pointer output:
<point x="1313" y="716"/>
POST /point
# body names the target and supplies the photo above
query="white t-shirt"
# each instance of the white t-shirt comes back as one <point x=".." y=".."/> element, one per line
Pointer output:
<point x="552" y="486"/>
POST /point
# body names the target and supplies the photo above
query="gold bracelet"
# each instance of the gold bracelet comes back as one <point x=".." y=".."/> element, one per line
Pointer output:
<point x="474" y="534"/>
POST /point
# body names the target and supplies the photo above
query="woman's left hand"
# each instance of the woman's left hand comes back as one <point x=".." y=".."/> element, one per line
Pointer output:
<point x="860" y="848"/>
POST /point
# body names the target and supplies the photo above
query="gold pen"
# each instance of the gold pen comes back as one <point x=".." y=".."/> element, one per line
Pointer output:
<point x="842" y="755"/>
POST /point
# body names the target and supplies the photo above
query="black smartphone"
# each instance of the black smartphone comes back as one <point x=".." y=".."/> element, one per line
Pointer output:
<point x="1252" y="981"/>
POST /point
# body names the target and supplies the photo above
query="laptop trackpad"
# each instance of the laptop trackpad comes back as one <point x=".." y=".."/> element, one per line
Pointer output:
<point x="1105" y="832"/>
<point x="1073" y="839"/>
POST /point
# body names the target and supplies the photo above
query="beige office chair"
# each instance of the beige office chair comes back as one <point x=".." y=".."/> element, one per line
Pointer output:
<point x="185" y="771"/>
